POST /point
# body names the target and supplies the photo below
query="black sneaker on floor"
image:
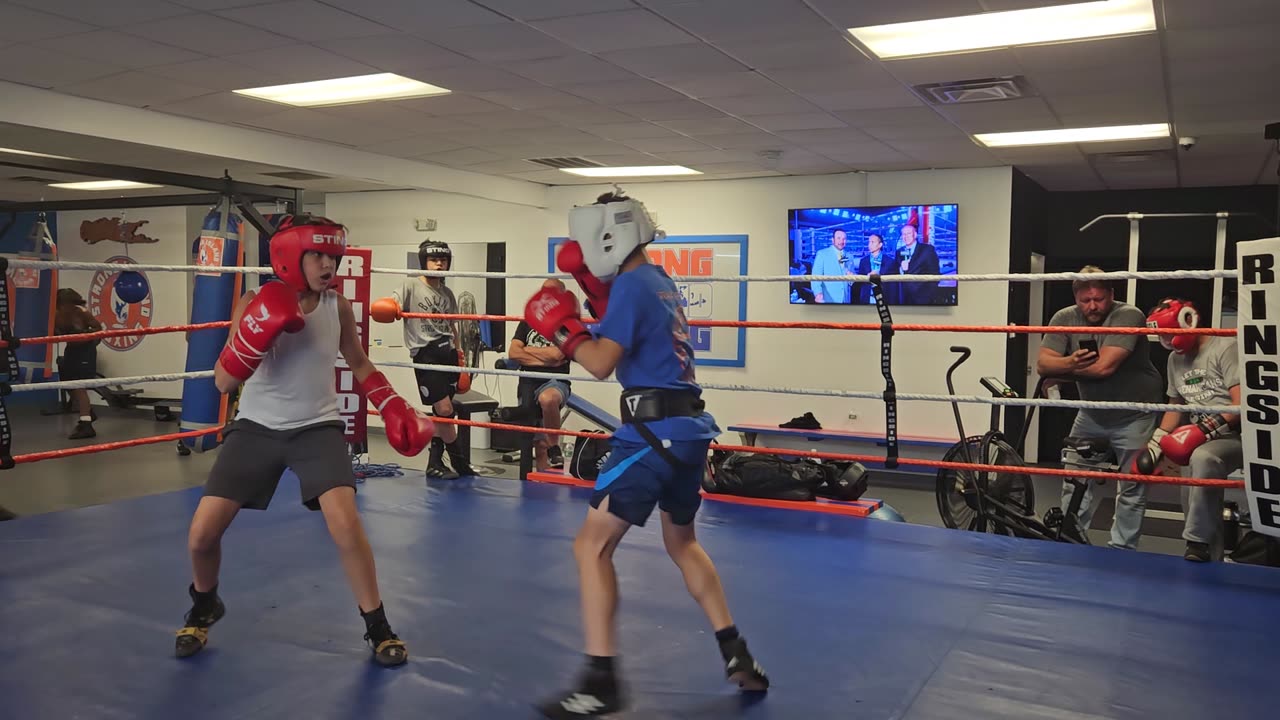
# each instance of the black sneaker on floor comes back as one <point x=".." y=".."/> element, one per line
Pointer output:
<point x="1197" y="552"/>
<point x="556" y="457"/>
<point x="804" y="422"/>
<point x="84" y="430"/>
<point x="597" y="694"/>
<point x="741" y="668"/>
<point x="194" y="635"/>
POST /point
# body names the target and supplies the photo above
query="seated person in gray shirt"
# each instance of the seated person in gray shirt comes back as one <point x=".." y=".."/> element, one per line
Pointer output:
<point x="1115" y="368"/>
<point x="435" y="342"/>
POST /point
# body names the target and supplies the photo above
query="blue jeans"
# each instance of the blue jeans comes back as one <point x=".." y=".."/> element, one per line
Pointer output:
<point x="1127" y="439"/>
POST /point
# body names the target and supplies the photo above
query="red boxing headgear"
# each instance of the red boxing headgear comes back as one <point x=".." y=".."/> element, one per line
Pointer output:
<point x="296" y="235"/>
<point x="1172" y="313"/>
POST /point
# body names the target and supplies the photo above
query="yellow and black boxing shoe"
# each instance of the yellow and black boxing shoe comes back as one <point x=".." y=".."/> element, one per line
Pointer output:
<point x="206" y="610"/>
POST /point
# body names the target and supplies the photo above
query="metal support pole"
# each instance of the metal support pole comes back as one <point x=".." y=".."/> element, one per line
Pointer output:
<point x="1131" y="287"/>
<point x="1219" y="263"/>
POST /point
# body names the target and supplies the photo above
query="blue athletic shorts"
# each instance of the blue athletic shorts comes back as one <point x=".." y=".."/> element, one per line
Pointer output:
<point x="635" y="478"/>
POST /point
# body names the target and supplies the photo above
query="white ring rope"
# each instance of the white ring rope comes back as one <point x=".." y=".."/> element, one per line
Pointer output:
<point x="855" y="394"/>
<point x="971" y="277"/>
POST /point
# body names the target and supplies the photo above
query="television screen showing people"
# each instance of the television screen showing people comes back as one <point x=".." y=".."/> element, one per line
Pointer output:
<point x="889" y="240"/>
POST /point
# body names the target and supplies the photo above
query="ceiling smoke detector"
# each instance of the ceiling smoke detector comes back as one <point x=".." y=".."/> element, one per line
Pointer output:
<point x="959" y="92"/>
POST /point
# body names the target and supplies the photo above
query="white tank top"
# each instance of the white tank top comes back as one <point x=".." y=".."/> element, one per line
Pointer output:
<point x="295" y="384"/>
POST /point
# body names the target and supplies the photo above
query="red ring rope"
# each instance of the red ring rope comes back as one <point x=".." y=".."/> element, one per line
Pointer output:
<point x="89" y="449"/>
<point x="1028" y="470"/>
<point x="125" y="332"/>
<point x="906" y="327"/>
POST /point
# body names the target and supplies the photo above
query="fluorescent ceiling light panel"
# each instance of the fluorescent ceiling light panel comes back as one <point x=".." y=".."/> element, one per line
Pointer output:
<point x="641" y="171"/>
<point x="345" y="91"/>
<point x="1074" y="135"/>
<point x="14" y="151"/>
<point x="1060" y="23"/>
<point x="102" y="185"/>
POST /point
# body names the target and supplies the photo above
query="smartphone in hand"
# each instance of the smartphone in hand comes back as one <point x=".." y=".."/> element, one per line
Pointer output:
<point x="1090" y="345"/>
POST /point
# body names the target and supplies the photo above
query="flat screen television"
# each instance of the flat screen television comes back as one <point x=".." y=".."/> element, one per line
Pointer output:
<point x="888" y="239"/>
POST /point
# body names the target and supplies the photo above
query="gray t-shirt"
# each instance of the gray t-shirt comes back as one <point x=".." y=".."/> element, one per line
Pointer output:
<point x="1207" y="377"/>
<point x="1136" y="380"/>
<point x="417" y="296"/>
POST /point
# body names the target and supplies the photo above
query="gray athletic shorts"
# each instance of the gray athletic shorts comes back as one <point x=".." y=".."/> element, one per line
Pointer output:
<point x="253" y="458"/>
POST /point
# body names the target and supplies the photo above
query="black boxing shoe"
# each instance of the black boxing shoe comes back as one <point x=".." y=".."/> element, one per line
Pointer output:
<point x="206" y="609"/>
<point x="804" y="422"/>
<point x="741" y="668"/>
<point x="597" y="693"/>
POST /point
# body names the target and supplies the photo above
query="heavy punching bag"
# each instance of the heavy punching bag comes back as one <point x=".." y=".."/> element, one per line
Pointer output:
<point x="212" y="300"/>
<point x="34" y="302"/>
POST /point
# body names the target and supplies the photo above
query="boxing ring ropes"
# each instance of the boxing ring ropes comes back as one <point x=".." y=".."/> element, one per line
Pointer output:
<point x="886" y="328"/>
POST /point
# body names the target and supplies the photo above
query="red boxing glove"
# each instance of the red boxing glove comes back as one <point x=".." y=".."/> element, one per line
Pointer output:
<point x="408" y="430"/>
<point x="570" y="260"/>
<point x="1179" y="444"/>
<point x="554" y="315"/>
<point x="272" y="311"/>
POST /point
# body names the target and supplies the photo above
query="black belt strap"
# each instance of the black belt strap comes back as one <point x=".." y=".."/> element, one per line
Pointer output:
<point x="886" y="369"/>
<point x="8" y="367"/>
<point x="672" y="404"/>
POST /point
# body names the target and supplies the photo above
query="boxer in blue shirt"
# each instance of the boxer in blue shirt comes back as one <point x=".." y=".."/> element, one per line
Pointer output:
<point x="658" y="456"/>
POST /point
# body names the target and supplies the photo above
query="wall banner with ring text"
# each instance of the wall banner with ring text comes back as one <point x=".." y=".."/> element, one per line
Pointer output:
<point x="354" y="284"/>
<point x="690" y="257"/>
<point x="1259" y="325"/>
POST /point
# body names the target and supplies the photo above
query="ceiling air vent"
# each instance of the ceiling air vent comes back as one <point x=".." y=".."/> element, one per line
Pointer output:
<point x="560" y="163"/>
<point x="972" y="91"/>
<point x="296" y="175"/>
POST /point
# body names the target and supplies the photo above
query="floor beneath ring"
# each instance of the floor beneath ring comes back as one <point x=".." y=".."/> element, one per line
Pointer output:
<point x="853" y="618"/>
<point x="84" y="480"/>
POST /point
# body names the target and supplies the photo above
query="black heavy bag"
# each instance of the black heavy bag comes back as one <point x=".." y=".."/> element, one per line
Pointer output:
<point x="844" y="481"/>
<point x="589" y="455"/>
<point x="763" y="476"/>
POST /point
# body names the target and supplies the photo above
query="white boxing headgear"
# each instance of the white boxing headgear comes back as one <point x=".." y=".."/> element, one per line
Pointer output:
<point x="609" y="232"/>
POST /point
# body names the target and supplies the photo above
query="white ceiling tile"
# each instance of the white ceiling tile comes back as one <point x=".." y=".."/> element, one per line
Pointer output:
<point x="1126" y="78"/>
<point x="20" y="24"/>
<point x="638" y="90"/>
<point x="396" y="53"/>
<point x="773" y="104"/>
<point x="553" y="177"/>
<point x="603" y="32"/>
<point x="921" y="115"/>
<point x="502" y="167"/>
<point x="1106" y="53"/>
<point x="674" y="61"/>
<point x="675" y="110"/>
<point x="717" y="19"/>
<point x="214" y="4"/>
<point x="945" y="153"/>
<point x="747" y="175"/>
<point x="421" y="18"/>
<point x="744" y="141"/>
<point x="462" y="157"/>
<point x="860" y="154"/>
<point x="862" y="77"/>
<point x="300" y="122"/>
<point x="125" y="50"/>
<point x="1054" y="155"/>
<point x="219" y="74"/>
<point x="207" y="34"/>
<point x="383" y="114"/>
<point x="825" y="50"/>
<point x="1251" y="144"/>
<point x="134" y="88"/>
<point x="795" y="121"/>
<point x="557" y="135"/>
<point x="1113" y="108"/>
<point x="695" y="127"/>
<point x="913" y="131"/>
<point x="723" y="167"/>
<point x="825" y="137"/>
<point x="1223" y="118"/>
<point x="1216" y="43"/>
<point x="305" y="20"/>
<point x="1004" y="116"/>
<point x="665" y="144"/>
<point x="425" y="123"/>
<point x="509" y="120"/>
<point x="451" y="104"/>
<point x="107" y="14"/>
<point x="412" y="146"/>
<point x="624" y="159"/>
<point x="857" y="14"/>
<point x="1126" y="146"/>
<point x="575" y="69"/>
<point x="505" y="43"/>
<point x="951" y="68"/>
<point x="691" y="158"/>
<point x="34" y="65"/>
<point x="894" y="97"/>
<point x="546" y="9"/>
<point x="716" y="85"/>
<point x="301" y="63"/>
<point x="531" y="98"/>
<point x="471" y="77"/>
<point x="476" y="137"/>
<point x="1193" y="14"/>
<point x="220" y="107"/>
<point x="584" y="115"/>
<point x="629" y="131"/>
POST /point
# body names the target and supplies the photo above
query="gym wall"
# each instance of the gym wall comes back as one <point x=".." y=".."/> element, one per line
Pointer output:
<point x="824" y="358"/>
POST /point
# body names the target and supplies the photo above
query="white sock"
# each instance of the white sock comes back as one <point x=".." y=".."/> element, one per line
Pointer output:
<point x="86" y="418"/>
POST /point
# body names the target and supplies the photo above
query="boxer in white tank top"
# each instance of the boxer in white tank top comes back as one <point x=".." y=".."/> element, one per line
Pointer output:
<point x="283" y="345"/>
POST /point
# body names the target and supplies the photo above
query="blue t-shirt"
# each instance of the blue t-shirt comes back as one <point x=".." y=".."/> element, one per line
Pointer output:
<point x="645" y="317"/>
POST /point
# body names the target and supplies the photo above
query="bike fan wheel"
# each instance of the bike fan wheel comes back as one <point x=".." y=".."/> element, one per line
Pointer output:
<point x="958" y="492"/>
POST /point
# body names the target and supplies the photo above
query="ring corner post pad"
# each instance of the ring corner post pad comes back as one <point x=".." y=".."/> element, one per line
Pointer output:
<point x="886" y="369"/>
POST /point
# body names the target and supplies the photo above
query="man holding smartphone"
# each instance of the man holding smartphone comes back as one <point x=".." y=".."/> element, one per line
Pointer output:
<point x="1107" y="368"/>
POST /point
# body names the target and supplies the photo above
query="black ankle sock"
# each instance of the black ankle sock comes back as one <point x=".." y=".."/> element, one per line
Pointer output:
<point x="600" y="663"/>
<point x="203" y="598"/>
<point x="374" y="618"/>
<point x="728" y="634"/>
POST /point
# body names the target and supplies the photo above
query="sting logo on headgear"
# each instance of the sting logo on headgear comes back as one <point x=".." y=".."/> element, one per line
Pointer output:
<point x="298" y="235"/>
<point x="1173" y="313"/>
<point x="434" y="249"/>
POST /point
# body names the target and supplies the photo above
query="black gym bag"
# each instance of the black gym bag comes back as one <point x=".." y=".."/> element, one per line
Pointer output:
<point x="589" y="455"/>
<point x="776" y="477"/>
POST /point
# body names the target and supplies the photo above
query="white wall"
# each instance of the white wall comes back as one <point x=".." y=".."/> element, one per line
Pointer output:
<point x="825" y="358"/>
<point x="169" y="301"/>
<point x="383" y="221"/>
